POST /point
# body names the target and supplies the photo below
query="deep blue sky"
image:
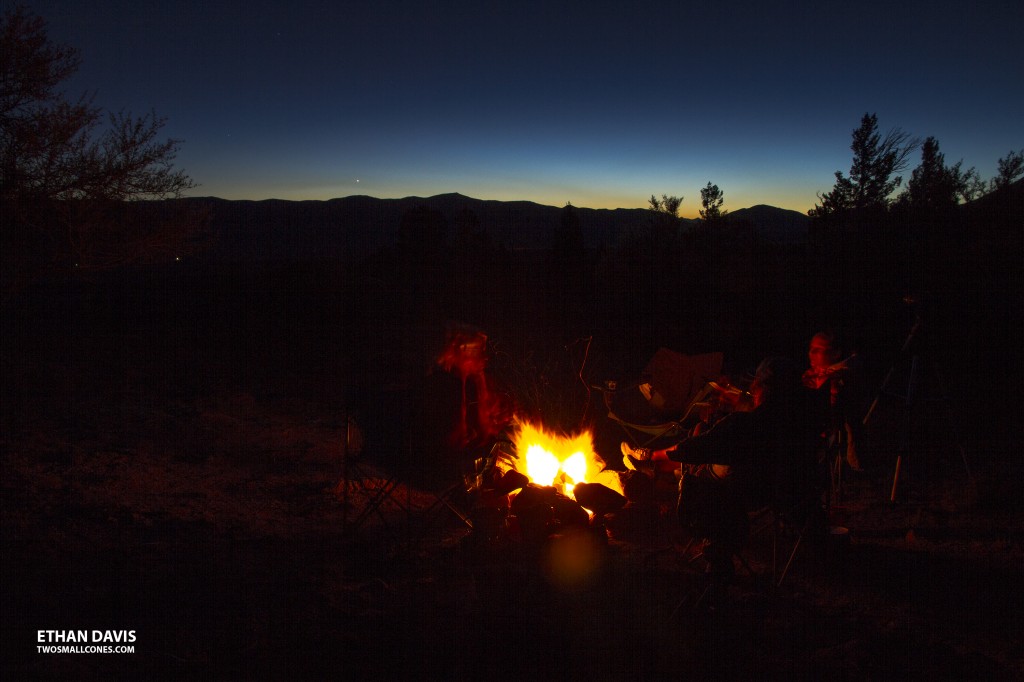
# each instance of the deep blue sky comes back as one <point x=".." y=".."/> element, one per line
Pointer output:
<point x="598" y="104"/>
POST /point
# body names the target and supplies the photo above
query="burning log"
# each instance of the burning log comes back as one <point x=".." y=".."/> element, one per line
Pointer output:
<point x="542" y="511"/>
<point x="533" y="507"/>
<point x="598" y="498"/>
<point x="569" y="512"/>
<point x="549" y="486"/>
<point x="559" y="460"/>
<point x="510" y="481"/>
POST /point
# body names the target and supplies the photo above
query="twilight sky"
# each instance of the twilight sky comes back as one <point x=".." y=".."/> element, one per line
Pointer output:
<point x="596" y="103"/>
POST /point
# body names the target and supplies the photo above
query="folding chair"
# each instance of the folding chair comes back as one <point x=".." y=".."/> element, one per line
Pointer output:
<point x="365" y="488"/>
<point x="672" y="385"/>
<point x="805" y="516"/>
<point x="772" y="522"/>
<point x="379" y="492"/>
<point x="780" y="527"/>
<point x="669" y="432"/>
<point x="374" y="489"/>
<point x="764" y="520"/>
<point x="834" y="445"/>
<point x="453" y="492"/>
<point x="446" y="499"/>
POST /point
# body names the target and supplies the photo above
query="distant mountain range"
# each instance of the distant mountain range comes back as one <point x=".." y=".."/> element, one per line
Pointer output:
<point x="354" y="226"/>
<point x="774" y="224"/>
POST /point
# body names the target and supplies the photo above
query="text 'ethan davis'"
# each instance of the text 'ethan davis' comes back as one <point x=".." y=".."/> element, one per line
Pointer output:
<point x="85" y="636"/>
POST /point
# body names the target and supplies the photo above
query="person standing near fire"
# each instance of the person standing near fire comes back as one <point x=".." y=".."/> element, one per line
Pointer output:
<point x="837" y="383"/>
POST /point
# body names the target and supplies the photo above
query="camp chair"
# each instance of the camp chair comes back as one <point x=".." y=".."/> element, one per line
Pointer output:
<point x="647" y="435"/>
<point x="692" y="554"/>
<point x="772" y="522"/>
<point x="457" y="497"/>
<point x="447" y="493"/>
<point x="672" y="384"/>
<point x="378" y="491"/>
<point x="834" y="446"/>
<point x="393" y="487"/>
<point x="766" y="522"/>
<point x="419" y="500"/>
<point x="372" y="487"/>
<point x="798" y="501"/>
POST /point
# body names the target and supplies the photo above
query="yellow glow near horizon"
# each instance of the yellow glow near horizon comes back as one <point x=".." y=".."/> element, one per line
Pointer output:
<point x="780" y="196"/>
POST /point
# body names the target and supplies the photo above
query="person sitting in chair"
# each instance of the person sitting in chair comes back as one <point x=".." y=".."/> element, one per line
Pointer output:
<point x="717" y="399"/>
<point x="747" y="460"/>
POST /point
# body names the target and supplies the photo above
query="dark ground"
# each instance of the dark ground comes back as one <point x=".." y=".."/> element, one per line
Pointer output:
<point x="182" y="483"/>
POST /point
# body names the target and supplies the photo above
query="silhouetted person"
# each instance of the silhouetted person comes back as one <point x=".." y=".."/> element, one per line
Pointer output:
<point x="766" y="456"/>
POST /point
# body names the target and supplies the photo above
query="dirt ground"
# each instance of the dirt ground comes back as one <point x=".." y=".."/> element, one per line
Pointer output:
<point x="214" y="528"/>
<point x="174" y="469"/>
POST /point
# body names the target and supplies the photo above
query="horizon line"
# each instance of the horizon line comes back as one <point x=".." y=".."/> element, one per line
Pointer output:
<point x="466" y="196"/>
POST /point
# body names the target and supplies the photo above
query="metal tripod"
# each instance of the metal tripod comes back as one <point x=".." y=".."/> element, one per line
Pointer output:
<point x="913" y="396"/>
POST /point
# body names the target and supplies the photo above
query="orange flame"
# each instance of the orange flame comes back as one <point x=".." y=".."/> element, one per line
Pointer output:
<point x="562" y="461"/>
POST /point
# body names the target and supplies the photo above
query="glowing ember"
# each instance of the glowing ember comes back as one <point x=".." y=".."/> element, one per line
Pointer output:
<point x="561" y="461"/>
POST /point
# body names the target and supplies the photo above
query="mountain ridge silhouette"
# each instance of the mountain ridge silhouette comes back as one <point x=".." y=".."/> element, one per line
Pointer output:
<point x="357" y="225"/>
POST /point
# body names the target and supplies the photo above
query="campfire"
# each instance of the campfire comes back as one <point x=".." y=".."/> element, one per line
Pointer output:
<point x="549" y="496"/>
<point x="549" y="485"/>
<point x="539" y="486"/>
<point x="560" y="461"/>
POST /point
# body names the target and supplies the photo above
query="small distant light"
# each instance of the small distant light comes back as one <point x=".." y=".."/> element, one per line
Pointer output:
<point x="177" y="258"/>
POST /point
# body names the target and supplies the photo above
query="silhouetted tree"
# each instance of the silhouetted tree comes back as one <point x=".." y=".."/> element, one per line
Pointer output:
<point x="711" y="200"/>
<point x="872" y="180"/>
<point x="1010" y="168"/>
<point x="62" y="170"/>
<point x="664" y="221"/>
<point x="52" y="148"/>
<point x="932" y="185"/>
<point x="971" y="185"/>
<point x="934" y="236"/>
<point x="668" y="205"/>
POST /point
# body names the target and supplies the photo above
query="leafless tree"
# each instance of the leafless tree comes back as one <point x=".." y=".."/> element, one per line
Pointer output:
<point x="66" y="165"/>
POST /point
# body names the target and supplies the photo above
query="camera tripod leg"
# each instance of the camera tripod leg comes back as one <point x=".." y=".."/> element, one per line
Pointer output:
<point x="895" y="479"/>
